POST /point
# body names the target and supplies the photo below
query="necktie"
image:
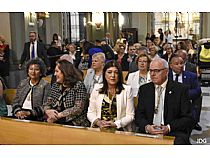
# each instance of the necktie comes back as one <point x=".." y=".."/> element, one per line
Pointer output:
<point x="159" y="107"/>
<point x="176" y="78"/>
<point x="32" y="51"/>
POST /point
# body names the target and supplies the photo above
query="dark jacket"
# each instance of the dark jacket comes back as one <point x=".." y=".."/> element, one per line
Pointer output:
<point x="40" y="93"/>
<point x="41" y="53"/>
<point x="177" y="108"/>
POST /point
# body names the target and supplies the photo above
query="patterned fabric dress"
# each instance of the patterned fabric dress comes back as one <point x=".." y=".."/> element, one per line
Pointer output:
<point x="109" y="109"/>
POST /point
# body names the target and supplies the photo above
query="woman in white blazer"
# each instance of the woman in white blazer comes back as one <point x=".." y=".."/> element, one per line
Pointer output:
<point x="142" y="76"/>
<point x="111" y="103"/>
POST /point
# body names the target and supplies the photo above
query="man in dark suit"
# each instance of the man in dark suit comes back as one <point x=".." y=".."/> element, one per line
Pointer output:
<point x="164" y="106"/>
<point x="188" y="66"/>
<point x="108" y="39"/>
<point x="188" y="78"/>
<point x="34" y="49"/>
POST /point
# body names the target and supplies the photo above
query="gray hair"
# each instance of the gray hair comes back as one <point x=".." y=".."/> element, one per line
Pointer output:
<point x="181" y="51"/>
<point x="99" y="55"/>
<point x="163" y="61"/>
<point x="144" y="49"/>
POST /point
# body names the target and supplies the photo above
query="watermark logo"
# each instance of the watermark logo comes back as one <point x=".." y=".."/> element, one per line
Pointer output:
<point x="201" y="141"/>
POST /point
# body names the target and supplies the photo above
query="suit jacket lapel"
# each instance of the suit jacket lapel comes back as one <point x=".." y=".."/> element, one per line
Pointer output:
<point x="168" y="92"/>
<point x="152" y="100"/>
<point x="170" y="75"/>
<point x="100" y="100"/>
<point x="37" y="50"/>
<point x="184" y="77"/>
<point x="29" y="52"/>
<point x="119" y="99"/>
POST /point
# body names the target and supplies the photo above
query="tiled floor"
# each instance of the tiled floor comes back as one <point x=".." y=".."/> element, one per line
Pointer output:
<point x="203" y="137"/>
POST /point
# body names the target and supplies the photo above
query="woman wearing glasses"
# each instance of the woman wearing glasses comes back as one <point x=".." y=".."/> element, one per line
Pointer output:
<point x="111" y="103"/>
<point x="141" y="76"/>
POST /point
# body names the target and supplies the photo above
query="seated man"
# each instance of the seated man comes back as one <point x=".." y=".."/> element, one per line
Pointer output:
<point x="167" y="110"/>
<point x="190" y="79"/>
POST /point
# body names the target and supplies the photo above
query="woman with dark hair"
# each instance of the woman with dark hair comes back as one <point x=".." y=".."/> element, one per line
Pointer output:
<point x="66" y="103"/>
<point x="169" y="51"/>
<point x="111" y="103"/>
<point x="31" y="92"/>
<point x="57" y="40"/>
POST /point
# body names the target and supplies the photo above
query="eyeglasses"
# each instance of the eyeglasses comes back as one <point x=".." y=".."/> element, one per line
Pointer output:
<point x="142" y="61"/>
<point x="155" y="71"/>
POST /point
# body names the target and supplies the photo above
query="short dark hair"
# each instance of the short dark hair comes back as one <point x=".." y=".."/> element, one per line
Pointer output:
<point x="120" y="87"/>
<point x="98" y="41"/>
<point x="33" y="32"/>
<point x="40" y="63"/>
<point x="173" y="56"/>
<point x="70" y="73"/>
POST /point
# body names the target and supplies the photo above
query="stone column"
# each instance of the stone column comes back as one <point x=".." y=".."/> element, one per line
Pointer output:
<point x="205" y="23"/>
<point x="140" y="21"/>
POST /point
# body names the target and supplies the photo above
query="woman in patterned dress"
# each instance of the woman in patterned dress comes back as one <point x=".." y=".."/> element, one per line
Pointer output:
<point x="67" y="101"/>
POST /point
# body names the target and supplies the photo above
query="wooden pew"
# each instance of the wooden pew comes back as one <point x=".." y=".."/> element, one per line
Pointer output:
<point x="31" y="132"/>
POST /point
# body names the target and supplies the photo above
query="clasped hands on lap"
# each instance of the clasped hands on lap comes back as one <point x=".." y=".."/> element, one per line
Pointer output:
<point x="53" y="115"/>
<point x="22" y="114"/>
<point x="155" y="129"/>
<point x="105" y="124"/>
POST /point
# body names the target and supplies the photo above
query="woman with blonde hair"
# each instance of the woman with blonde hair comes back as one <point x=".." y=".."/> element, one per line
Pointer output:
<point x="94" y="74"/>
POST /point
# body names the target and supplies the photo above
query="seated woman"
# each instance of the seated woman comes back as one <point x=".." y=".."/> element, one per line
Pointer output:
<point x="66" y="103"/>
<point x="142" y="76"/>
<point x="3" y="106"/>
<point x="111" y="103"/>
<point x="94" y="74"/>
<point x="31" y="92"/>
